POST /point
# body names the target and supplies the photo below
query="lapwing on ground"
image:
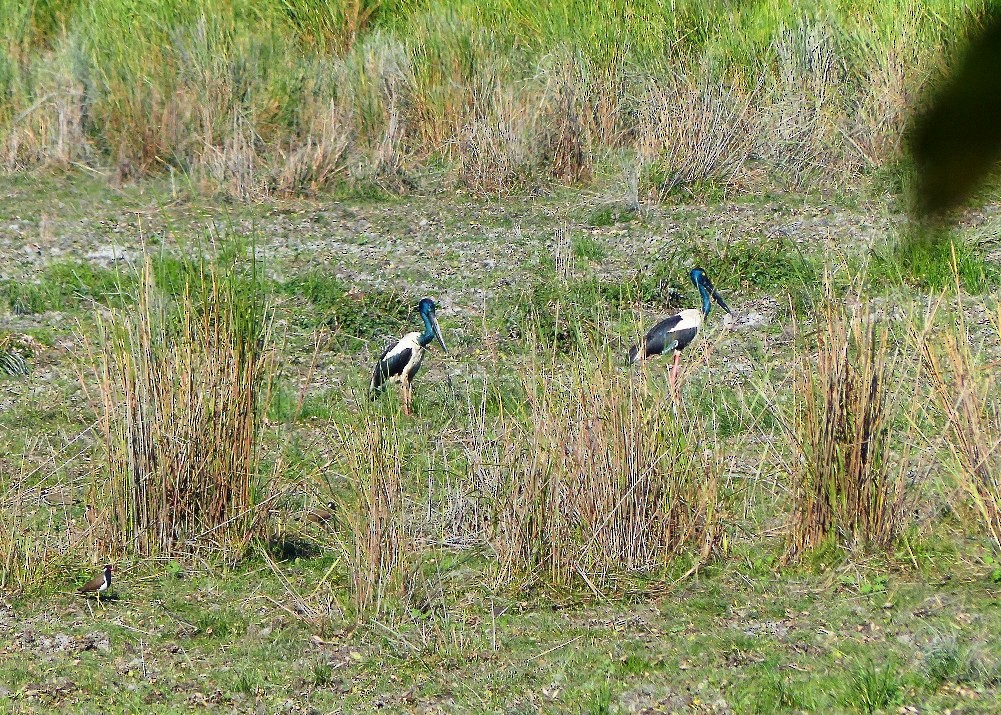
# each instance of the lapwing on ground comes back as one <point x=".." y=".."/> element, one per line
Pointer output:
<point x="323" y="515"/>
<point x="99" y="584"/>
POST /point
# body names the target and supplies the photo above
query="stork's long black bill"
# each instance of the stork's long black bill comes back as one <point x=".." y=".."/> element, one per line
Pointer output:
<point x="437" y="333"/>
<point x="719" y="301"/>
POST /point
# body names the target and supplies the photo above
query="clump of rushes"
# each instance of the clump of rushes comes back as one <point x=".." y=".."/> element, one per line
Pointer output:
<point x="845" y="486"/>
<point x="180" y="388"/>
<point x="600" y="479"/>
<point x="965" y="390"/>
<point x="378" y="542"/>
<point x="11" y="360"/>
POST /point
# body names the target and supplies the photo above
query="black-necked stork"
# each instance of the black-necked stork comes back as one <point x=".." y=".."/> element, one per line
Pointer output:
<point x="679" y="330"/>
<point x="400" y="362"/>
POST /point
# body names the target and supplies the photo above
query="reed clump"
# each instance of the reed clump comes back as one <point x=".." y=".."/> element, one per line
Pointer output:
<point x="847" y="482"/>
<point x="964" y="388"/>
<point x="12" y="362"/>
<point x="180" y="384"/>
<point x="600" y="479"/>
<point x="377" y="538"/>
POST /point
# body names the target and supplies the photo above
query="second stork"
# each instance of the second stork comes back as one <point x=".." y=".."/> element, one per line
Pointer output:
<point x="400" y="362"/>
<point x="676" y="332"/>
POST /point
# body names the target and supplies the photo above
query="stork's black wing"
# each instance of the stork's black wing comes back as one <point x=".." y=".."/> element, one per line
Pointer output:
<point x="391" y="364"/>
<point x="657" y="339"/>
<point x="661" y="335"/>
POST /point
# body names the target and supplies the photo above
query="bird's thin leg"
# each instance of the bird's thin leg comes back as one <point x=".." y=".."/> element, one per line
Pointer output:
<point x="674" y="376"/>
<point x="406" y="397"/>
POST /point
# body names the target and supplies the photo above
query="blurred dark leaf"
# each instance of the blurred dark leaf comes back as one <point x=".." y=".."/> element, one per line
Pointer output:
<point x="956" y="142"/>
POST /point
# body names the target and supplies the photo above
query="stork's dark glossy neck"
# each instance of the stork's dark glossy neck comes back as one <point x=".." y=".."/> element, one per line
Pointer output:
<point x="706" y="303"/>
<point x="425" y="339"/>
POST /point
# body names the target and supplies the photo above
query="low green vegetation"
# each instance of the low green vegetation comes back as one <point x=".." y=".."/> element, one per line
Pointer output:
<point x="361" y="314"/>
<point x="933" y="260"/>
<point x="812" y="526"/>
<point x="66" y="285"/>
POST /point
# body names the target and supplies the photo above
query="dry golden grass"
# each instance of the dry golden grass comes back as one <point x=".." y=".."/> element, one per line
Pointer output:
<point x="180" y="387"/>
<point x="964" y="387"/>
<point x="599" y="478"/>
<point x="848" y="465"/>
<point x="379" y="541"/>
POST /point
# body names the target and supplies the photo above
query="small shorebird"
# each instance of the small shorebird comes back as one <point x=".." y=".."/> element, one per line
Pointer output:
<point x="321" y="515"/>
<point x="99" y="584"/>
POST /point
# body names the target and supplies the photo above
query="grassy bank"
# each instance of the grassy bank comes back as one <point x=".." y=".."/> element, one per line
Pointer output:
<point x="494" y="97"/>
<point x="814" y="526"/>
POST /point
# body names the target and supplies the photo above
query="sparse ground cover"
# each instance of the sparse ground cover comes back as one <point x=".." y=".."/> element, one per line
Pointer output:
<point x="215" y="215"/>
<point x="451" y="608"/>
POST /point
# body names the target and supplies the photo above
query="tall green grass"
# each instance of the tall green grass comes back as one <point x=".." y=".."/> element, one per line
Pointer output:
<point x="292" y="97"/>
<point x="180" y="386"/>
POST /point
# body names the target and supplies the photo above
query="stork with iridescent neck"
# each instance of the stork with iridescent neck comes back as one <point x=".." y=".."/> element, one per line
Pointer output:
<point x="400" y="362"/>
<point x="675" y="333"/>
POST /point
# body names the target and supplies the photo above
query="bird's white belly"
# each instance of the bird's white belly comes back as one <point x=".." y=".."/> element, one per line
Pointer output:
<point x="409" y="341"/>
<point x="691" y="318"/>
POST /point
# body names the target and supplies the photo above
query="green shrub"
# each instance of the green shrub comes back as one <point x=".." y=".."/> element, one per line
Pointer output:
<point x="359" y="314"/>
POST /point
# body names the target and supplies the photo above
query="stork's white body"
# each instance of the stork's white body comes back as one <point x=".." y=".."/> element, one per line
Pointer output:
<point x="670" y="336"/>
<point x="399" y="364"/>
<point x="689" y="319"/>
<point x="410" y="368"/>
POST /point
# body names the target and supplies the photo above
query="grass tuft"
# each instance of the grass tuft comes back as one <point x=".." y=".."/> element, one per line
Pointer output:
<point x="869" y="688"/>
<point x="844" y="484"/>
<point x="368" y="314"/>
<point x="601" y="479"/>
<point x="930" y="258"/>
<point x="180" y="389"/>
<point x="964" y="389"/>
<point x="379" y="544"/>
<point x="12" y="362"/>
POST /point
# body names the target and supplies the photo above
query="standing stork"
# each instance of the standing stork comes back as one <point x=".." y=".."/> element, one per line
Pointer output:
<point x="676" y="332"/>
<point x="400" y="362"/>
